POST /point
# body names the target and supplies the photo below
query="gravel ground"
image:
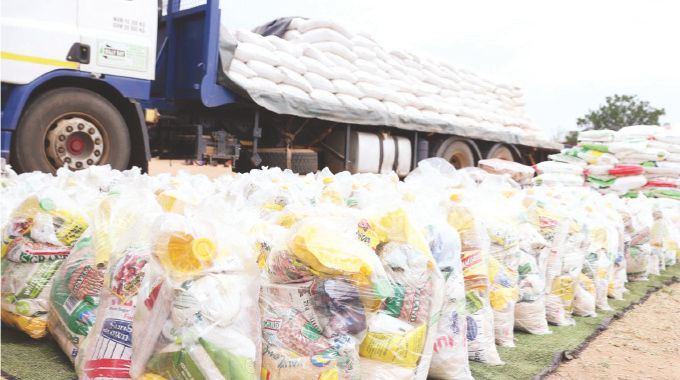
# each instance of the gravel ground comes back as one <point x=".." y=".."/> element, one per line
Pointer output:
<point x="644" y="344"/>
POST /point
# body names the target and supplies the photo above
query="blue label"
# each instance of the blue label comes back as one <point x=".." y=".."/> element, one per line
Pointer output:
<point x="471" y="329"/>
<point x="118" y="331"/>
<point x="455" y="328"/>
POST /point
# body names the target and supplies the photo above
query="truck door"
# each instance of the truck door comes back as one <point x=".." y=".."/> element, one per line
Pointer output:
<point x="36" y="37"/>
<point x="120" y="35"/>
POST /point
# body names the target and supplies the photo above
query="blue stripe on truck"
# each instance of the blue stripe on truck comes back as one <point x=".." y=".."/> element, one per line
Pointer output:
<point x="15" y="101"/>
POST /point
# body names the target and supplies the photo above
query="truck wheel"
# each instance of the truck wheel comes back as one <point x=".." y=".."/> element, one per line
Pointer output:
<point x="501" y="151"/>
<point x="73" y="127"/>
<point x="458" y="152"/>
<point x="303" y="161"/>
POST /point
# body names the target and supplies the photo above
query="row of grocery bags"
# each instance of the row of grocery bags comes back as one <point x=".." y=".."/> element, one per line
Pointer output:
<point x="634" y="160"/>
<point x="272" y="275"/>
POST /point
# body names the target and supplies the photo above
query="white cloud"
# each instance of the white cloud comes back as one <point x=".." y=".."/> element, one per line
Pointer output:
<point x="566" y="56"/>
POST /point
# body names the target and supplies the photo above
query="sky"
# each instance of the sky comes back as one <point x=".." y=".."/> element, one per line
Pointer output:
<point x="567" y="56"/>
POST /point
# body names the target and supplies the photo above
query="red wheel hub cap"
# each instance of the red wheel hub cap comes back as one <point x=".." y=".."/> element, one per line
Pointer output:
<point x="76" y="145"/>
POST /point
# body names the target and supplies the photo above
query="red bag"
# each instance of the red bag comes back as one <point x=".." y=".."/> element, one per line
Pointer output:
<point x="660" y="183"/>
<point x="626" y="170"/>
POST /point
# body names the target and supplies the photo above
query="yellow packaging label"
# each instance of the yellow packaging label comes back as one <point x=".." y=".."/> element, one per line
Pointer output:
<point x="461" y="219"/>
<point x="36" y="328"/>
<point x="369" y="235"/>
<point x="330" y="374"/>
<point x="395" y="226"/>
<point x="287" y="220"/>
<point x="598" y="236"/>
<point x="327" y="253"/>
<point x="151" y="376"/>
<point x="587" y="284"/>
<point x="272" y="206"/>
<point x="331" y="196"/>
<point x="401" y="349"/>
<point x="501" y="295"/>
<point x="263" y="251"/>
<point x="601" y="274"/>
<point x="72" y="226"/>
<point x="563" y="287"/>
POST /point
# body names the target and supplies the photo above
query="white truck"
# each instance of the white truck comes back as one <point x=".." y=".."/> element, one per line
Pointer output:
<point x="119" y="81"/>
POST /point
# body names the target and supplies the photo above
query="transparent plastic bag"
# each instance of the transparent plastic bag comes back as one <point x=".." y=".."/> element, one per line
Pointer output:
<point x="502" y="227"/>
<point x="584" y="297"/>
<point x="400" y="336"/>
<point x="450" y="356"/>
<point x="75" y="296"/>
<point x="38" y="237"/>
<point x="321" y="285"/>
<point x="475" y="256"/>
<point x="638" y="220"/>
<point x="530" y="308"/>
<point x="503" y="297"/>
<point x="121" y="238"/>
<point x="197" y="314"/>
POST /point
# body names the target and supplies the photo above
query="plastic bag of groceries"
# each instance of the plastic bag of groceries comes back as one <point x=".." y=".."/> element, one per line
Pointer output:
<point x="502" y="226"/>
<point x="121" y="238"/>
<point x="602" y="246"/>
<point x="320" y="285"/>
<point x="197" y="315"/>
<point x="427" y="205"/>
<point x="571" y="255"/>
<point x="530" y="308"/>
<point x="475" y="259"/>
<point x="671" y="230"/>
<point x="75" y="296"/>
<point x="546" y="213"/>
<point x="584" y="297"/>
<point x="38" y="237"/>
<point x="614" y="213"/>
<point x="450" y="356"/>
<point x="400" y="337"/>
<point x="638" y="220"/>
<point x="661" y="237"/>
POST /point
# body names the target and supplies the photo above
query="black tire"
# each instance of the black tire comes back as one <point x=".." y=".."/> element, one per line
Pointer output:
<point x="303" y="161"/>
<point x="29" y="151"/>
<point x="458" y="152"/>
<point x="501" y="151"/>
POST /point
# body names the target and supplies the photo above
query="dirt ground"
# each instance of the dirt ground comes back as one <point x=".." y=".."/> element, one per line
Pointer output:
<point x="644" y="344"/>
<point x="157" y="166"/>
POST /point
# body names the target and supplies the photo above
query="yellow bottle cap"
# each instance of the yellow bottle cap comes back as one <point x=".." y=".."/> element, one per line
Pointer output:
<point x="203" y="249"/>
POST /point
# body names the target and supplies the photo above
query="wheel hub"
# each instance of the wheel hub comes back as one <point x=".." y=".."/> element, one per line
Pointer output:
<point x="74" y="142"/>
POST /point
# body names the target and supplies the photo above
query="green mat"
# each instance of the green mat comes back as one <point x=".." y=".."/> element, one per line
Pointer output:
<point x="534" y="353"/>
<point x="25" y="358"/>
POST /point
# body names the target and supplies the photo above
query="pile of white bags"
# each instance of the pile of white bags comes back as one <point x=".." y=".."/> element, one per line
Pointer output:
<point x="319" y="69"/>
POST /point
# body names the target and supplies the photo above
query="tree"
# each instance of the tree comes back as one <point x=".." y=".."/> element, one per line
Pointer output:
<point x="571" y="138"/>
<point x="620" y="111"/>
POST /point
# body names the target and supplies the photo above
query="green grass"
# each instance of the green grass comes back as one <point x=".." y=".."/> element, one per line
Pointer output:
<point x="26" y="358"/>
<point x="535" y="352"/>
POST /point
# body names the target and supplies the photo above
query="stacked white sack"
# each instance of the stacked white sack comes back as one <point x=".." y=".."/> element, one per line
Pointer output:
<point x="554" y="173"/>
<point x="647" y="159"/>
<point x="321" y="66"/>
